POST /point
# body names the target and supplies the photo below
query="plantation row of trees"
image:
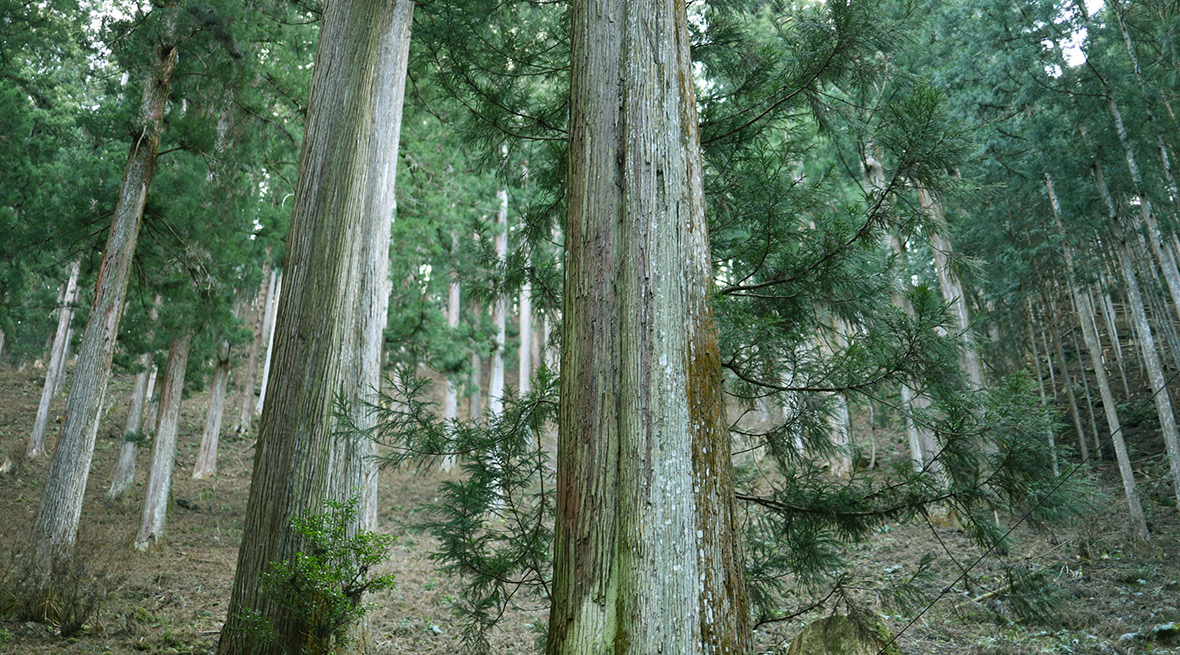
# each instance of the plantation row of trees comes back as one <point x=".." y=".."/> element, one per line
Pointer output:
<point x="956" y="219"/>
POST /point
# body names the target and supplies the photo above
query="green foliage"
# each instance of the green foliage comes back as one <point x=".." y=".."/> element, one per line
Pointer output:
<point x="494" y="523"/>
<point x="322" y="588"/>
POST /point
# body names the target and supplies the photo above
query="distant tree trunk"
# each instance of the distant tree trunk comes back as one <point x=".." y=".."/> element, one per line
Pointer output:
<point x="1044" y="400"/>
<point x="56" y="525"/>
<point x="646" y="557"/>
<point x="474" y="408"/>
<point x="125" y="468"/>
<point x="57" y="362"/>
<point x="206" y="465"/>
<point x="1066" y="379"/>
<point x="840" y="421"/>
<point x="159" y="485"/>
<point x="1109" y="406"/>
<point x="952" y="288"/>
<point x="298" y="457"/>
<point x="250" y="378"/>
<point x="272" y="314"/>
<point x="451" y="396"/>
<point x="499" y="313"/>
<point x="526" y="339"/>
<point x="1089" y="404"/>
<point x="1155" y="372"/>
<point x="923" y="445"/>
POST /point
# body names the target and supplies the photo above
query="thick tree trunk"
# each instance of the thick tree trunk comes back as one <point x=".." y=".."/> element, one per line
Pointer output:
<point x="246" y="411"/>
<point x="56" y="525"/>
<point x="1109" y="406"/>
<point x="358" y="465"/>
<point x="206" y="465"/>
<point x="57" y="362"/>
<point x="646" y="557"/>
<point x="159" y="485"/>
<point x="271" y="320"/>
<point x="298" y="455"/>
<point x="125" y="468"/>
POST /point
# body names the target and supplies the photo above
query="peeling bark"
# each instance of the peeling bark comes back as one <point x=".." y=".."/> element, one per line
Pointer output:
<point x="646" y="556"/>
<point x="299" y="458"/>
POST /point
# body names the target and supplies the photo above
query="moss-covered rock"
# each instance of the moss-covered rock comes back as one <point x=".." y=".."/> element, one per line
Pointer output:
<point x="842" y="635"/>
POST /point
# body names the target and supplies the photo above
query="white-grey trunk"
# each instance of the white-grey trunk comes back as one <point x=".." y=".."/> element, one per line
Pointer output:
<point x="1044" y="400"/>
<point x="57" y="359"/>
<point x="56" y="526"/>
<point x="499" y="312"/>
<point x="451" y="395"/>
<point x="206" y="465"/>
<point x="358" y="462"/>
<point x="272" y="312"/>
<point x="159" y="484"/>
<point x="474" y="408"/>
<point x="1067" y="379"/>
<point x="1155" y="374"/>
<point x="125" y="468"/>
<point x="526" y="339"/>
<point x="952" y="288"/>
<point x="246" y="410"/>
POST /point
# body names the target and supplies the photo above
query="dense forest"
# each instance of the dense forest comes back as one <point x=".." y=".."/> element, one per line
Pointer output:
<point x="628" y="326"/>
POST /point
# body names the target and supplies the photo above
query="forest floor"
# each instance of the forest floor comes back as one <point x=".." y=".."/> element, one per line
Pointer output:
<point x="1114" y="596"/>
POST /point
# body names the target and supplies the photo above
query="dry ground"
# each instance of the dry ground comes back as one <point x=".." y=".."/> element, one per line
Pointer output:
<point x="173" y="600"/>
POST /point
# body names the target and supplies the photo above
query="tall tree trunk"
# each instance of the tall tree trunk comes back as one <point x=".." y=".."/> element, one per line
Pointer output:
<point x="1066" y="378"/>
<point x="952" y="288"/>
<point x="451" y="395"/>
<point x="56" y="525"/>
<point x="1155" y="372"/>
<point x="206" y="465"/>
<point x="1109" y="406"/>
<point x="246" y="411"/>
<point x="1044" y="400"/>
<point x="474" y="408"/>
<point x="646" y="556"/>
<point x="272" y="315"/>
<point x="923" y="445"/>
<point x="358" y="464"/>
<point x="57" y="362"/>
<point x="1089" y="404"/>
<point x="159" y="485"/>
<point x="298" y="455"/>
<point x="499" y="312"/>
<point x="125" y="467"/>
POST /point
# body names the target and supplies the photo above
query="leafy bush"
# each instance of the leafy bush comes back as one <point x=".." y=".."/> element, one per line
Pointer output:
<point x="322" y="588"/>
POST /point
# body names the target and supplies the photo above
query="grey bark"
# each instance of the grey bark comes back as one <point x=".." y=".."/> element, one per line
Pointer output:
<point x="250" y="378"/>
<point x="1151" y="360"/>
<point x="499" y="312"/>
<point x="124" y="474"/>
<point x="56" y="526"/>
<point x="57" y="362"/>
<point x="451" y="394"/>
<point x="159" y="484"/>
<point x="206" y="465"/>
<point x="646" y="558"/>
<point x="272" y="314"/>
<point x="1094" y="347"/>
<point x="298" y="457"/>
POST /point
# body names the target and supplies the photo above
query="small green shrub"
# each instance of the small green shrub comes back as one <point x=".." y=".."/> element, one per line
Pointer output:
<point x="322" y="587"/>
